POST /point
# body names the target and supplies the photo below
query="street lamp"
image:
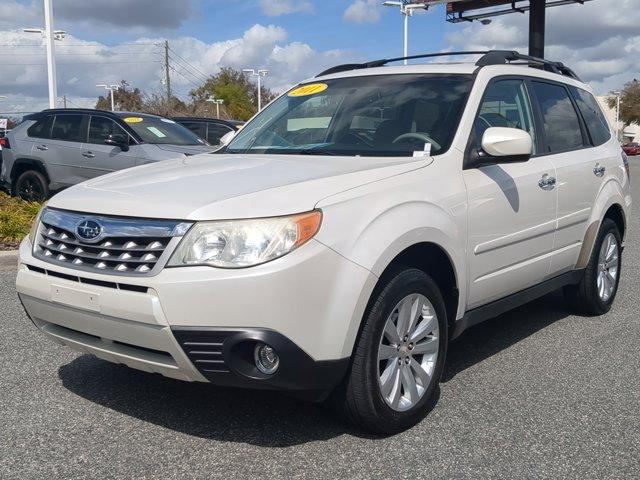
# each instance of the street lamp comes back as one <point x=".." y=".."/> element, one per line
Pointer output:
<point x="218" y="102"/>
<point x="111" y="89"/>
<point x="49" y="34"/>
<point x="259" y="74"/>
<point x="406" y="9"/>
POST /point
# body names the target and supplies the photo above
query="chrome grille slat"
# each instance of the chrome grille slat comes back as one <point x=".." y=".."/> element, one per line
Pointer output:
<point x="124" y="246"/>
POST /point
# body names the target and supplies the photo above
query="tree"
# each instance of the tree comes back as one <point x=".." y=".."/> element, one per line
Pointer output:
<point x="629" y="103"/>
<point x="156" y="103"/>
<point x="238" y="92"/>
<point x="126" y="99"/>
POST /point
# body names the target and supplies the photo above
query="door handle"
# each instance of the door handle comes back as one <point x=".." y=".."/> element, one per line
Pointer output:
<point x="42" y="147"/>
<point x="547" y="182"/>
<point x="88" y="154"/>
<point x="599" y="170"/>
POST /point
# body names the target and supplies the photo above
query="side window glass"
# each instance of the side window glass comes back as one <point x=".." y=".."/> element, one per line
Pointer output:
<point x="68" y="128"/>
<point x="101" y="127"/>
<point x="560" y="120"/>
<point x="505" y="104"/>
<point x="593" y="116"/>
<point x="42" y="128"/>
<point x="215" y="132"/>
<point x="195" y="127"/>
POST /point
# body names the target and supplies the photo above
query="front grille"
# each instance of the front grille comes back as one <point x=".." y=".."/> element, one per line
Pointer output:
<point x="123" y="246"/>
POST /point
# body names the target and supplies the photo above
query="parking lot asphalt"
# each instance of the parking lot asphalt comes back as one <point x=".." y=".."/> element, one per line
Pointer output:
<point x="535" y="393"/>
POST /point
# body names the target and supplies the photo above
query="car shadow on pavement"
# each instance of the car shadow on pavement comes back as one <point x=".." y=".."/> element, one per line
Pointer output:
<point x="488" y="338"/>
<point x="268" y="418"/>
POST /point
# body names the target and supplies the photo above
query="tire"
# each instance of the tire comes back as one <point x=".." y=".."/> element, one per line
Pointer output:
<point x="360" y="398"/>
<point x="31" y="186"/>
<point x="586" y="297"/>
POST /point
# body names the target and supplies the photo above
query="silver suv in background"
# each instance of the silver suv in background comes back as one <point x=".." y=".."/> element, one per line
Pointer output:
<point x="54" y="149"/>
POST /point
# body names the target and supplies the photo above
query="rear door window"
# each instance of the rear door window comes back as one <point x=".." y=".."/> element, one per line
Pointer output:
<point x="68" y="127"/>
<point x="560" y="121"/>
<point x="593" y="116"/>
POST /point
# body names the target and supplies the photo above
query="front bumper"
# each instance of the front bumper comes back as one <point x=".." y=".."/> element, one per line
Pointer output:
<point x="201" y="323"/>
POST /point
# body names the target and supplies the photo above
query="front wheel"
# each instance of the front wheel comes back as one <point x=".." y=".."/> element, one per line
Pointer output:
<point x="597" y="290"/>
<point x="399" y="357"/>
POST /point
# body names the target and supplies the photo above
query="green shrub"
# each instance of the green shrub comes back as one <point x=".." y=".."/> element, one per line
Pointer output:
<point x="16" y="217"/>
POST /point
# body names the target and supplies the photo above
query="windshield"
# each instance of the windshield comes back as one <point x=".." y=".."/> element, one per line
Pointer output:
<point x="390" y="115"/>
<point x="160" y="130"/>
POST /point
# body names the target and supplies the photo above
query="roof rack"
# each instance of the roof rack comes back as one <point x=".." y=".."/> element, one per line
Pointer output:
<point x="489" y="57"/>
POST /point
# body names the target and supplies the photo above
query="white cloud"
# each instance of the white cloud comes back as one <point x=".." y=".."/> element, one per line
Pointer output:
<point x="275" y="8"/>
<point x="363" y="11"/>
<point x="83" y="64"/>
<point x="601" y="43"/>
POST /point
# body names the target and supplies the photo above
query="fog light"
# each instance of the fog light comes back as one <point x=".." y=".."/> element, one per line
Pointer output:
<point x="266" y="358"/>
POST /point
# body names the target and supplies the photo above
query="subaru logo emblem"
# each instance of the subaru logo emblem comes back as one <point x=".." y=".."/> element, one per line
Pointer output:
<point x="89" y="230"/>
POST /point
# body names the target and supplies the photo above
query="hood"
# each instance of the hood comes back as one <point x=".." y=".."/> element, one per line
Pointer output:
<point x="187" y="149"/>
<point x="207" y="187"/>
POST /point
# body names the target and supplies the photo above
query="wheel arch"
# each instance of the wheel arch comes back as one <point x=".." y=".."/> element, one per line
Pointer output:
<point x="21" y="165"/>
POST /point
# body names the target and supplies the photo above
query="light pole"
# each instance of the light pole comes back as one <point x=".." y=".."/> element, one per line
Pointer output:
<point x="406" y="9"/>
<point x="257" y="73"/>
<point x="49" y="35"/>
<point x="112" y="89"/>
<point x="218" y="102"/>
<point x="617" y="94"/>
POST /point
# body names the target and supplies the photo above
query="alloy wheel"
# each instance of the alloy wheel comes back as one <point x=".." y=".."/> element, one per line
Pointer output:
<point x="608" y="267"/>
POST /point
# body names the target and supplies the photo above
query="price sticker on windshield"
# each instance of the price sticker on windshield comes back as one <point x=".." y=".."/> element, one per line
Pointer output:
<point x="310" y="89"/>
<point x="133" y="119"/>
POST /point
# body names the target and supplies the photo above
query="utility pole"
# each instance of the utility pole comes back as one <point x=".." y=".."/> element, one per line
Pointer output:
<point x="167" y="77"/>
<point x="64" y="101"/>
<point x="257" y="73"/>
<point x="50" y="35"/>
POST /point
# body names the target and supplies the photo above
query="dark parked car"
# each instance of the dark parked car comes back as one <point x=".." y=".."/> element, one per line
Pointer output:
<point x="632" y="148"/>
<point x="211" y="129"/>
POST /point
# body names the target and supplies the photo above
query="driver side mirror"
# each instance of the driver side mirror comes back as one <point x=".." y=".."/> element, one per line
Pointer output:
<point x="502" y="145"/>
<point x="118" y="140"/>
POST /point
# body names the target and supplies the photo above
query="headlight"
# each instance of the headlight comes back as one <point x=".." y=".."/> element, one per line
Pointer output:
<point x="244" y="243"/>
<point x="33" y="232"/>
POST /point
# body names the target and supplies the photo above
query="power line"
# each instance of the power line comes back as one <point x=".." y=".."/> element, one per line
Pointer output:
<point x="80" y="63"/>
<point x="184" y="71"/>
<point x="78" y="45"/>
<point x="189" y="63"/>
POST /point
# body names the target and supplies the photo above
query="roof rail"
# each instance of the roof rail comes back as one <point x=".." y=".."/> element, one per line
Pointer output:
<point x="489" y="57"/>
<point x="379" y="63"/>
<point x="501" y="57"/>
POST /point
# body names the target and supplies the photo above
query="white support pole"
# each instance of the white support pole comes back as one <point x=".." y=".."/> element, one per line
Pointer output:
<point x="113" y="102"/>
<point x="51" y="60"/>
<point x="259" y="94"/>
<point x="406" y="12"/>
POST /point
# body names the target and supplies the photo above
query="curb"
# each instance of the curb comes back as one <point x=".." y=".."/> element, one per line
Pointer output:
<point x="9" y="258"/>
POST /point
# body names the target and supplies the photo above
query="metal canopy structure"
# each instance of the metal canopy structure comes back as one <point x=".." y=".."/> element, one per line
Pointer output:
<point x="470" y="10"/>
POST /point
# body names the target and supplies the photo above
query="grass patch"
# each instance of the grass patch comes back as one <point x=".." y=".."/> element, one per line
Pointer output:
<point x="16" y="217"/>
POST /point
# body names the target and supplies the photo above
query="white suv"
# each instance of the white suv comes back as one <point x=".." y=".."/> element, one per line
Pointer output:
<point x="351" y="230"/>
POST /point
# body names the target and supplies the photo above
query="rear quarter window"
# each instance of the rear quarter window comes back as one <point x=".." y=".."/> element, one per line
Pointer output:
<point x="593" y="116"/>
<point x="42" y="128"/>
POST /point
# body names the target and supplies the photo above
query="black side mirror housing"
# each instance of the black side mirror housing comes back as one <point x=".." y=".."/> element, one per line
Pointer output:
<point x="118" y="140"/>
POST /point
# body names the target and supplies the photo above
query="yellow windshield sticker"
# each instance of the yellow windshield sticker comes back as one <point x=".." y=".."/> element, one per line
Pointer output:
<point x="133" y="119"/>
<point x="310" y="89"/>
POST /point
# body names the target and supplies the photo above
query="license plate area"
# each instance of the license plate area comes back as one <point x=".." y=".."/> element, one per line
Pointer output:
<point x="75" y="298"/>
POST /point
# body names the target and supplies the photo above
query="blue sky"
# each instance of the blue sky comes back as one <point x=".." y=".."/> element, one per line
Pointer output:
<point x="294" y="39"/>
